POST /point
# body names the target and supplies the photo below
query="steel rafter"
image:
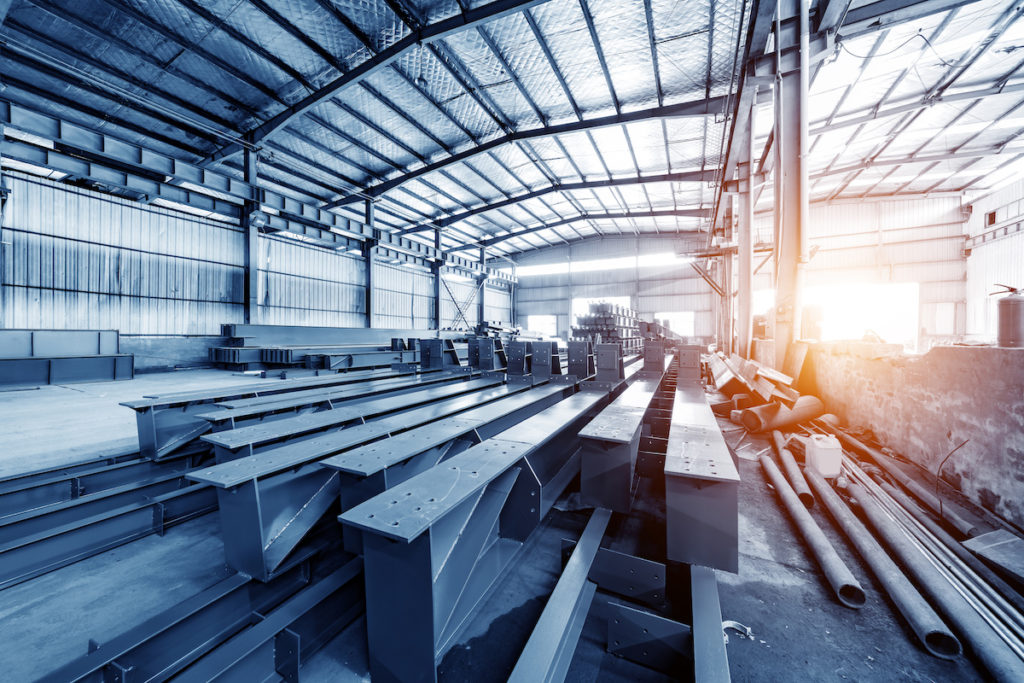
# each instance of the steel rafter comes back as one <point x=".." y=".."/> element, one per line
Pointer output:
<point x="686" y="176"/>
<point x="281" y="21"/>
<point x="458" y="71"/>
<point x="909" y="117"/>
<point x="294" y="31"/>
<point x="96" y="31"/>
<point x="628" y="215"/>
<point x="72" y="53"/>
<point x="686" y="109"/>
<point x="426" y="35"/>
<point x="592" y="29"/>
<point x="213" y="59"/>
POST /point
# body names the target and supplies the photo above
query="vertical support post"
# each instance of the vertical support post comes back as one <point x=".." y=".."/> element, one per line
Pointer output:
<point x="437" y="279"/>
<point x="481" y="316"/>
<point x="368" y="248"/>
<point x="792" y="133"/>
<point x="744" y="241"/>
<point x="726" y="283"/>
<point x="250" y="286"/>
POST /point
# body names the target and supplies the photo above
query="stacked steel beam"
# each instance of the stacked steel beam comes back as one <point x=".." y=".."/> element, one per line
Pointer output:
<point x="608" y="323"/>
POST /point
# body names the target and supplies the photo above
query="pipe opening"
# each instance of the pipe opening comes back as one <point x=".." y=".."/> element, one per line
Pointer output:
<point x="807" y="499"/>
<point x="852" y="596"/>
<point x="942" y="644"/>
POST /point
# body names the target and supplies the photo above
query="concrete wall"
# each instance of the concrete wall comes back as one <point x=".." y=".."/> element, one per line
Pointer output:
<point x="924" y="406"/>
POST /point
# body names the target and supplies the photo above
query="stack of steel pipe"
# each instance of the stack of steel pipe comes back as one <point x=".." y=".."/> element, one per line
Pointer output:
<point x="991" y="627"/>
<point x="933" y="633"/>
<point x="947" y="511"/>
<point x="845" y="586"/>
<point x="792" y="470"/>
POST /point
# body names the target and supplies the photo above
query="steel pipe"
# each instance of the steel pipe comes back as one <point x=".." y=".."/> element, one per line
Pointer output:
<point x="929" y="628"/>
<point x="1000" y="589"/>
<point x="792" y="470"/>
<point x="776" y="416"/>
<point x="999" y="660"/>
<point x="947" y="511"/>
<point x="958" y="576"/>
<point x="844" y="584"/>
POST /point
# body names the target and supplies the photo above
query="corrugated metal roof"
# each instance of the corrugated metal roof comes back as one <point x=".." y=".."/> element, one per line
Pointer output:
<point x="187" y="77"/>
<point x="505" y="101"/>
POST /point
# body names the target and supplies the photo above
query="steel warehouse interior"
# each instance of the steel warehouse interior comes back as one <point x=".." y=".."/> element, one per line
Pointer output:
<point x="512" y="340"/>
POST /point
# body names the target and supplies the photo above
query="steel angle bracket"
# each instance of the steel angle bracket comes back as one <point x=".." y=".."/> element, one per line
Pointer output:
<point x="650" y="640"/>
<point x="636" y="578"/>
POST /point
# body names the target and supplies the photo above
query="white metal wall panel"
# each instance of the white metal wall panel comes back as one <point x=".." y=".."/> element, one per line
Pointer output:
<point x="999" y="262"/>
<point x="300" y="284"/>
<point x="80" y="259"/>
<point x="498" y="305"/>
<point x="874" y="241"/>
<point x="403" y="297"/>
<point x="1007" y="203"/>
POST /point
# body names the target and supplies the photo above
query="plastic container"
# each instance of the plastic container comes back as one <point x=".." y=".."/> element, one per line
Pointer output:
<point x="825" y="455"/>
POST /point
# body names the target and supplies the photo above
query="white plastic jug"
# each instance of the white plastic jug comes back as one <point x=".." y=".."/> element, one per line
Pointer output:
<point x="825" y="455"/>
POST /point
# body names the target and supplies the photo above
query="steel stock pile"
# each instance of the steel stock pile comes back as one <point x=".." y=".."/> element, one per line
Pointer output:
<point x="395" y="513"/>
<point x="389" y="504"/>
<point x="951" y="569"/>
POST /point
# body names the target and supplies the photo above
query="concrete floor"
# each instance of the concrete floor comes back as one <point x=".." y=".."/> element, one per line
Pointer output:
<point x="800" y="630"/>
<point x="63" y="424"/>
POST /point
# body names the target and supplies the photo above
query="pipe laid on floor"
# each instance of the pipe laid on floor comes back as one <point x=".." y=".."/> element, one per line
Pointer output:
<point x="792" y="470"/>
<point x="999" y="586"/>
<point x="997" y="657"/>
<point x="947" y="511"/>
<point x="776" y="416"/>
<point x="843" y="583"/>
<point x="933" y="633"/>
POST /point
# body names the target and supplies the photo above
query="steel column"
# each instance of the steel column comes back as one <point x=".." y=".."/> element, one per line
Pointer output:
<point x="745" y="243"/>
<point x="437" y="280"/>
<point x="481" y="317"/>
<point x="368" y="247"/>
<point x="792" y="134"/>
<point x="252" y="239"/>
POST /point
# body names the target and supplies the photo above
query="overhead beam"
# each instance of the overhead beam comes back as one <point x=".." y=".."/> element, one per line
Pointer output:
<point x="830" y="14"/>
<point x="428" y="34"/>
<point x="679" y="213"/>
<point x="757" y="40"/>
<point x="707" y="278"/>
<point x="920" y="159"/>
<point x="913" y="104"/>
<point x="857" y="21"/>
<point x="888" y="13"/>
<point x="682" y="177"/>
<point x="706" y="107"/>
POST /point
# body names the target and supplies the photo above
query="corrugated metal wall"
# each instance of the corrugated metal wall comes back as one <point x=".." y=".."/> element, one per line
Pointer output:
<point x="999" y="261"/>
<point x="498" y="305"/>
<point x="897" y="241"/>
<point x="404" y="297"/>
<point x="301" y="284"/>
<point x="919" y="240"/>
<point x="79" y="259"/>
<point x="651" y="290"/>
